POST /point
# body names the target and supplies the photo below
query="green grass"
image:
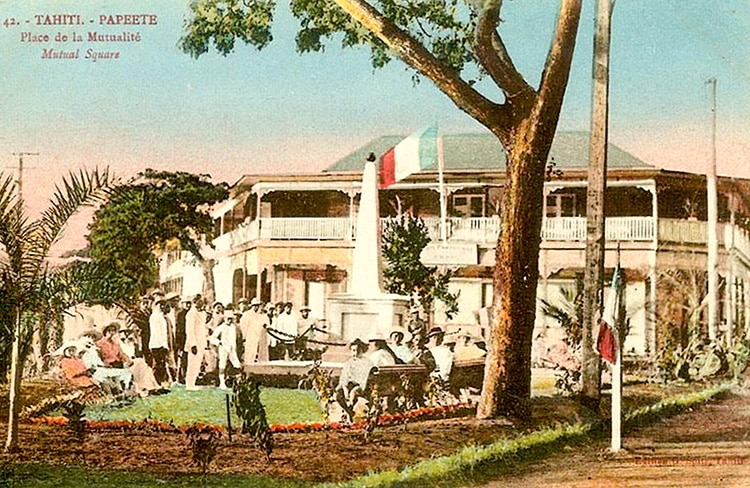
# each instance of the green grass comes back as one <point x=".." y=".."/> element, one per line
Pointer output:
<point x="183" y="407"/>
<point x="461" y="468"/>
<point x="32" y="475"/>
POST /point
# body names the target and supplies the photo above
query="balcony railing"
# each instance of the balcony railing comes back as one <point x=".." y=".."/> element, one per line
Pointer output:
<point x="622" y="229"/>
<point x="306" y="228"/>
<point x="485" y="230"/>
<point x="683" y="231"/>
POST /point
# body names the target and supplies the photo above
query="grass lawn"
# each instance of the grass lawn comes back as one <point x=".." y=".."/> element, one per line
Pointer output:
<point x="32" y="475"/>
<point x="208" y="405"/>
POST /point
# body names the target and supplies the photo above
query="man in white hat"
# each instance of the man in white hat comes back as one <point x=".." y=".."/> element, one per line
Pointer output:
<point x="224" y="337"/>
<point x="466" y="349"/>
<point x="440" y="352"/>
<point x="196" y="334"/>
<point x="305" y="323"/>
<point x="252" y="328"/>
<point x="158" y="340"/>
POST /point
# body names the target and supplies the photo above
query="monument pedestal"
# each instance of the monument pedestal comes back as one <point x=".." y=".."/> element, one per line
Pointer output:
<point x="351" y="316"/>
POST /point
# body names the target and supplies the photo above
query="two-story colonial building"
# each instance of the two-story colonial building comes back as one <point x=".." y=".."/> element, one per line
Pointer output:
<point x="289" y="237"/>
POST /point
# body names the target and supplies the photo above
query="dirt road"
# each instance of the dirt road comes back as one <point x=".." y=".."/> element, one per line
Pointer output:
<point x="707" y="447"/>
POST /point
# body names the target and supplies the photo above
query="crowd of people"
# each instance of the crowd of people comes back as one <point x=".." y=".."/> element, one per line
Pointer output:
<point x="186" y="342"/>
<point x="432" y="348"/>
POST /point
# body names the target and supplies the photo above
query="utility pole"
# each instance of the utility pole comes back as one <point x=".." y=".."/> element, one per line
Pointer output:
<point x="597" y="184"/>
<point x="19" y="180"/>
<point x="713" y="242"/>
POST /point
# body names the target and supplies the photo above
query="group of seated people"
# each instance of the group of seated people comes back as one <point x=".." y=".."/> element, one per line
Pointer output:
<point x="107" y="361"/>
<point x="432" y="349"/>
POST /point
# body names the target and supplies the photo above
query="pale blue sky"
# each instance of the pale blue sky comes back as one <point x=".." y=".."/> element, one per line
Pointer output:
<point x="275" y="110"/>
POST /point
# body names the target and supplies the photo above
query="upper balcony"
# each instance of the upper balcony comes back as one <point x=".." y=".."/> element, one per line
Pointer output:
<point x="484" y="231"/>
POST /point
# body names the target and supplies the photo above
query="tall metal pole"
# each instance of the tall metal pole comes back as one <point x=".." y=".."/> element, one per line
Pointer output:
<point x="597" y="184"/>
<point x="713" y="242"/>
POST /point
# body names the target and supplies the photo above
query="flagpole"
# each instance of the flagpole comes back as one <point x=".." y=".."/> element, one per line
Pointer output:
<point x="441" y="189"/>
<point x="616" y="444"/>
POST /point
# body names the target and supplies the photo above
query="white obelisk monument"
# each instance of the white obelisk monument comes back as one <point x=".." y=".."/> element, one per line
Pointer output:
<point x="365" y="309"/>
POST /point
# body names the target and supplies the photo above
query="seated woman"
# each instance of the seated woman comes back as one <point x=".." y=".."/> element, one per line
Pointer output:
<point x="115" y="380"/>
<point x="354" y="376"/>
<point x="74" y="370"/>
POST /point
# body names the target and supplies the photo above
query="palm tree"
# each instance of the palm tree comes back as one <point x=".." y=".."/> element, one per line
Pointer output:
<point x="23" y="269"/>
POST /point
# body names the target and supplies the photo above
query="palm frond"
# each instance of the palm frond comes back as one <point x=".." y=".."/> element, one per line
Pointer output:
<point x="13" y="228"/>
<point x="76" y="191"/>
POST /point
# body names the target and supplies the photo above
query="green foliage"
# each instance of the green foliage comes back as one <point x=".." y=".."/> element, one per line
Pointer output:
<point x="697" y="361"/>
<point x="411" y="394"/>
<point x="73" y="411"/>
<point x="253" y="414"/>
<point x="42" y="475"/>
<point x="203" y="444"/>
<point x="445" y="27"/>
<point x="738" y="357"/>
<point x="567" y="311"/>
<point x="404" y="238"/>
<point x="321" y="381"/>
<point x="140" y="217"/>
<point x="226" y="21"/>
<point x="24" y="269"/>
<point x="375" y="409"/>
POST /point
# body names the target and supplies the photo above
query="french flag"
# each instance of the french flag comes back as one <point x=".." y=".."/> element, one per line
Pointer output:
<point x="606" y="340"/>
<point x="415" y="153"/>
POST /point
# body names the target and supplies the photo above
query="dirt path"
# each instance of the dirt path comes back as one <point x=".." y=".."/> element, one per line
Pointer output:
<point x="709" y="446"/>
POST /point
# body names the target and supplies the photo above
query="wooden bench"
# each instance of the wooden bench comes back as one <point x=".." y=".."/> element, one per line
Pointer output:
<point x="389" y="380"/>
<point x="467" y="374"/>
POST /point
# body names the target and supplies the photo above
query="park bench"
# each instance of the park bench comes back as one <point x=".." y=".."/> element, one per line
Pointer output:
<point x="389" y="381"/>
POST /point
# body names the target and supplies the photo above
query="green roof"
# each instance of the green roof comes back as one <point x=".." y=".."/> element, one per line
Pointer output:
<point x="483" y="151"/>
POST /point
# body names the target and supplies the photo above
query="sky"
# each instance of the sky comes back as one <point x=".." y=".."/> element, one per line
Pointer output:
<point x="279" y="111"/>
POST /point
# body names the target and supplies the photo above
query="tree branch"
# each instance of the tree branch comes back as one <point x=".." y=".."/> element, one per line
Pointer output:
<point x="492" y="54"/>
<point x="560" y="56"/>
<point x="412" y="52"/>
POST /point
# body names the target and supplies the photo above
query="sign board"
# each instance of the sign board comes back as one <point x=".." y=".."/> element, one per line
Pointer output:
<point x="450" y="254"/>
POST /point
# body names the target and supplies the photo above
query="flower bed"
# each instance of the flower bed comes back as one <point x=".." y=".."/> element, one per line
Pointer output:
<point x="427" y="413"/>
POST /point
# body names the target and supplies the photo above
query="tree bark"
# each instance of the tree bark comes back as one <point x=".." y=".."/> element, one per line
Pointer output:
<point x="507" y="379"/>
<point x="209" y="286"/>
<point x="507" y="376"/>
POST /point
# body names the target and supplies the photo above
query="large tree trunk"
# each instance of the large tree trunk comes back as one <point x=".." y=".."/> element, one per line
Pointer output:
<point x="14" y="393"/>
<point x="507" y="378"/>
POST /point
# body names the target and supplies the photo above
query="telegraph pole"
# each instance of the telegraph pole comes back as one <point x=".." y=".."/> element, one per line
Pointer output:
<point x="713" y="242"/>
<point x="593" y="282"/>
<point x="19" y="180"/>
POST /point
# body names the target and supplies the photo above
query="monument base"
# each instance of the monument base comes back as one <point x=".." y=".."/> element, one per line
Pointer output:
<point x="352" y="316"/>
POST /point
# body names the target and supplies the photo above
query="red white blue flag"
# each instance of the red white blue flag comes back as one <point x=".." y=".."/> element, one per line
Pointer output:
<point x="606" y="340"/>
<point x="415" y="153"/>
